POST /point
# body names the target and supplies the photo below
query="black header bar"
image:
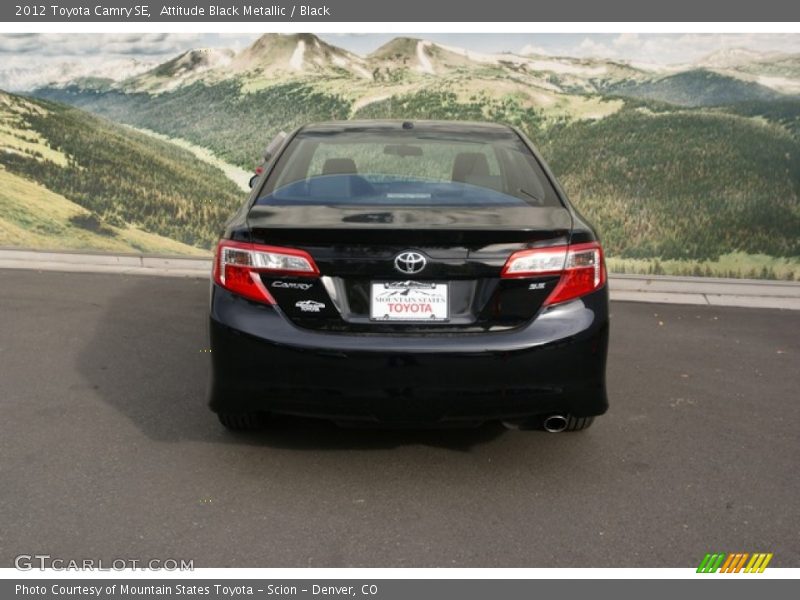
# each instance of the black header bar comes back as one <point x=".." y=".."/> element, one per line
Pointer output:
<point x="144" y="11"/>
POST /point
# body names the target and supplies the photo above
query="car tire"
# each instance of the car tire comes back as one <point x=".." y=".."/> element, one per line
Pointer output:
<point x="246" y="421"/>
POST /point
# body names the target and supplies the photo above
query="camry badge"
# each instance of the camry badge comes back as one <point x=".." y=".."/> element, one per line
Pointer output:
<point x="410" y="262"/>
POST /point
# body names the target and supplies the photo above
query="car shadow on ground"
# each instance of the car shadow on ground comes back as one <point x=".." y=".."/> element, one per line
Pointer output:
<point x="148" y="358"/>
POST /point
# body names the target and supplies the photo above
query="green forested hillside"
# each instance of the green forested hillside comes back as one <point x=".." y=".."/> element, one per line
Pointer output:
<point x="447" y="106"/>
<point x="784" y="112"/>
<point x="32" y="216"/>
<point x="120" y="177"/>
<point x="682" y="185"/>
<point x="669" y="184"/>
<point x="234" y="125"/>
<point x="657" y="180"/>
<point x="697" y="87"/>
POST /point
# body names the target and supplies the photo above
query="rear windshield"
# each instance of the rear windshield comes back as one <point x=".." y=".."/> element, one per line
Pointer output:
<point x="408" y="168"/>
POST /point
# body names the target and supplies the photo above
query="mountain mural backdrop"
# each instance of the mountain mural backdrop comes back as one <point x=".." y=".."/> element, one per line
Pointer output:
<point x="687" y="170"/>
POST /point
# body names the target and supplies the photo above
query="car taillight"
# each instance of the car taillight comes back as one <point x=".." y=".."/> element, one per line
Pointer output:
<point x="580" y="266"/>
<point x="238" y="267"/>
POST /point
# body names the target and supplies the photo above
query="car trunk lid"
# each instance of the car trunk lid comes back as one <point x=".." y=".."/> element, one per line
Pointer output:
<point x="355" y="248"/>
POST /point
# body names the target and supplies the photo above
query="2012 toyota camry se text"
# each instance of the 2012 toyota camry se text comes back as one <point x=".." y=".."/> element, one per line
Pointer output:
<point x="409" y="273"/>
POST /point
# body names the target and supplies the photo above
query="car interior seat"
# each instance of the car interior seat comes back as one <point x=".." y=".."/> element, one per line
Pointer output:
<point x="339" y="179"/>
<point x="472" y="168"/>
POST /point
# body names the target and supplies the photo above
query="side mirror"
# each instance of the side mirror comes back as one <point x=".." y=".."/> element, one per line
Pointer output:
<point x="253" y="180"/>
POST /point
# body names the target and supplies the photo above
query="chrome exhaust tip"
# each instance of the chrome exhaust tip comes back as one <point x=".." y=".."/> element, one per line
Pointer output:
<point x="555" y="423"/>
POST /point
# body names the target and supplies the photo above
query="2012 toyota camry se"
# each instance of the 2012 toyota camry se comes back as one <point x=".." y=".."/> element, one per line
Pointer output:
<point x="409" y="273"/>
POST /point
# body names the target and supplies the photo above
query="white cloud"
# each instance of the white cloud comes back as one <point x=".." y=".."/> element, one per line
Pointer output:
<point x="89" y="44"/>
<point x="680" y="48"/>
<point x="590" y="47"/>
<point x="532" y="49"/>
<point x="33" y="60"/>
<point x="18" y="74"/>
<point x="627" y="40"/>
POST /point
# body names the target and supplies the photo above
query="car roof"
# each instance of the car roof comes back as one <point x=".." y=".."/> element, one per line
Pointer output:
<point x="378" y="125"/>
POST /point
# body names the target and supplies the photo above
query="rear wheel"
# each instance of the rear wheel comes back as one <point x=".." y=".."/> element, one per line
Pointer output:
<point x="246" y="421"/>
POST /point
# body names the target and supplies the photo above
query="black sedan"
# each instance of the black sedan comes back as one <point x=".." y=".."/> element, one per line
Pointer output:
<point x="409" y="273"/>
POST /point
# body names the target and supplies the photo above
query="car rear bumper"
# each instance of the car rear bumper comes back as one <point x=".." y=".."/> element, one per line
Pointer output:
<point x="555" y="364"/>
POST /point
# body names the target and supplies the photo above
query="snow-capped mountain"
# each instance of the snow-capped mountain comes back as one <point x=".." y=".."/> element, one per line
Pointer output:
<point x="727" y="58"/>
<point x="19" y="76"/>
<point x="185" y="68"/>
<point x="275" y="58"/>
<point x="274" y="54"/>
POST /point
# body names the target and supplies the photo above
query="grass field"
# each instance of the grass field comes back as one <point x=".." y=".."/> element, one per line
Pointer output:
<point x="735" y="265"/>
<point x="31" y="216"/>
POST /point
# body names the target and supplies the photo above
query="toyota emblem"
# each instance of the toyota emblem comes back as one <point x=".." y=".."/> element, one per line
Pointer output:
<point x="410" y="262"/>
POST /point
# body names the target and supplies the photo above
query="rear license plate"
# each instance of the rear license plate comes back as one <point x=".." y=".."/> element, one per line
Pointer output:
<point x="409" y="301"/>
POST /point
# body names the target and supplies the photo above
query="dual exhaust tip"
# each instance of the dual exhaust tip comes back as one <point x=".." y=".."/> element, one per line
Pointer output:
<point x="555" y="423"/>
<point x="550" y="423"/>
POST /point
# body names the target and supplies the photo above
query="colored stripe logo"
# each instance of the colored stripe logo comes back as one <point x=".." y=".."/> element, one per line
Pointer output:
<point x="738" y="562"/>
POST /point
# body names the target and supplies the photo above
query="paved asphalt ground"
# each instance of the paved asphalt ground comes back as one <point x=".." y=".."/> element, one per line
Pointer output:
<point x="107" y="449"/>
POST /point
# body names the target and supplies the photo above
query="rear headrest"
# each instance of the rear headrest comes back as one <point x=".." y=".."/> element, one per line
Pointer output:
<point x="470" y="164"/>
<point x="339" y="166"/>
